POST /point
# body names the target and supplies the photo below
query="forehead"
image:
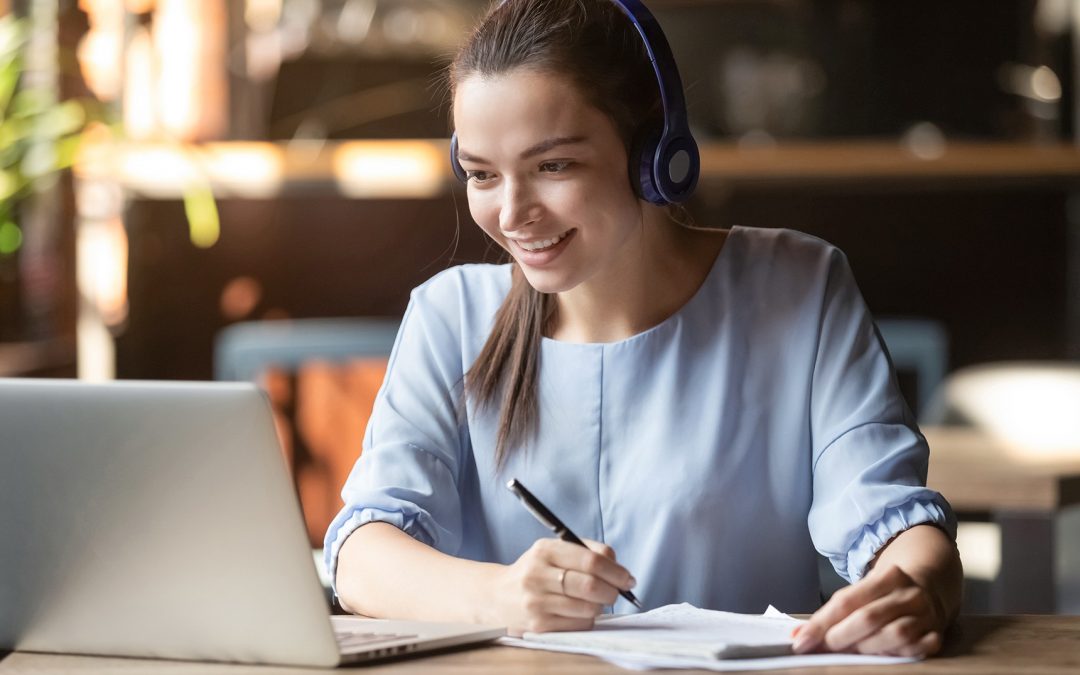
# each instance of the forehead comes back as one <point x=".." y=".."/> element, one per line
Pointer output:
<point x="521" y="107"/>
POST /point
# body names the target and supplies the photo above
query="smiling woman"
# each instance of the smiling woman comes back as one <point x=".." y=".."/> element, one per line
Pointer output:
<point x="715" y="405"/>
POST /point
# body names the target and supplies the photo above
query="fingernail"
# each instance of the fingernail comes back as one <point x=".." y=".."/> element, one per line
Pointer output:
<point x="795" y="632"/>
<point x="633" y="582"/>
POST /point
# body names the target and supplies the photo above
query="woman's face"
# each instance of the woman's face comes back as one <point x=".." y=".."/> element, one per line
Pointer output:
<point x="548" y="177"/>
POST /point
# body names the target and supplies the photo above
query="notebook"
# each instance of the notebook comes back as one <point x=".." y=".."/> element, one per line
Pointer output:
<point x="154" y="519"/>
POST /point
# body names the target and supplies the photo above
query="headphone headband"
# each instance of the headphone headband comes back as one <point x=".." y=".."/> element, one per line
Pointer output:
<point x="664" y="164"/>
<point x="663" y="62"/>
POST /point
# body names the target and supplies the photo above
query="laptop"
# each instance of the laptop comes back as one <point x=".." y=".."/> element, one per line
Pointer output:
<point x="158" y="520"/>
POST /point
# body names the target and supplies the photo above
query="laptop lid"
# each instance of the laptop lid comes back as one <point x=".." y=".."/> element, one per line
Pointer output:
<point x="153" y="519"/>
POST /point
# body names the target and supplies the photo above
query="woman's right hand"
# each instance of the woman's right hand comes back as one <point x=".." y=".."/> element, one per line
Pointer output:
<point x="556" y="586"/>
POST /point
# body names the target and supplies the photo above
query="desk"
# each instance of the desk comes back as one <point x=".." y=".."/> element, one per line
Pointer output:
<point x="978" y="475"/>
<point x="980" y="645"/>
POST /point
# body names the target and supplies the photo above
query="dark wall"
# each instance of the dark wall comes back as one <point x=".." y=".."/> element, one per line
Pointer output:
<point x="989" y="263"/>
<point x="312" y="257"/>
<point x="853" y="68"/>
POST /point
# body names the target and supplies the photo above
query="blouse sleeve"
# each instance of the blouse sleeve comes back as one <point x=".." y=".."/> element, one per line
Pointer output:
<point x="407" y="474"/>
<point x="869" y="458"/>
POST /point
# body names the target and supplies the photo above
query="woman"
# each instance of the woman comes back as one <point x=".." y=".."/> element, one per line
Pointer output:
<point x="714" y="406"/>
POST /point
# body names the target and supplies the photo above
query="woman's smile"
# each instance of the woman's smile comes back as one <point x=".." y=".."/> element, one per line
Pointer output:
<point x="539" y="252"/>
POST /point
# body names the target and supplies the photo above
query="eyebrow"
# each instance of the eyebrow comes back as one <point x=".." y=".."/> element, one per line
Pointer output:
<point x="538" y="149"/>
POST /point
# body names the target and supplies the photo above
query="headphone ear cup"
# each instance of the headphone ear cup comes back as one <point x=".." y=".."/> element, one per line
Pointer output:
<point x="455" y="165"/>
<point x="642" y="156"/>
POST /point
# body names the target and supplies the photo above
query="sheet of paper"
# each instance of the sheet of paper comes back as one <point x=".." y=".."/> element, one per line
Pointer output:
<point x="683" y="636"/>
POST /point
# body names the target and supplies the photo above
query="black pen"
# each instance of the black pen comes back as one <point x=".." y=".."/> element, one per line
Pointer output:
<point x="551" y="522"/>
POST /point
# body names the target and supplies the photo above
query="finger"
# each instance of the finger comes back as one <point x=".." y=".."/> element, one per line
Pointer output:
<point x="601" y="548"/>
<point x="928" y="645"/>
<point x="551" y="623"/>
<point x="589" y="588"/>
<point x="844" y="602"/>
<point x="898" y="635"/>
<point x="874" y="616"/>
<point x="556" y="604"/>
<point x="577" y="558"/>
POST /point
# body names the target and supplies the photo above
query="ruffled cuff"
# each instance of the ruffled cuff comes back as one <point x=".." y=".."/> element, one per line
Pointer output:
<point x="407" y="523"/>
<point x="892" y="522"/>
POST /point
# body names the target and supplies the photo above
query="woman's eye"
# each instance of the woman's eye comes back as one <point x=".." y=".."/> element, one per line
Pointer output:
<point x="554" y="167"/>
<point x="478" y="176"/>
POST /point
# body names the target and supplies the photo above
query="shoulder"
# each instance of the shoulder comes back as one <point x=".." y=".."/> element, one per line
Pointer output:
<point x="787" y="246"/>
<point x="473" y="284"/>
<point x="463" y="298"/>
<point x="783" y="258"/>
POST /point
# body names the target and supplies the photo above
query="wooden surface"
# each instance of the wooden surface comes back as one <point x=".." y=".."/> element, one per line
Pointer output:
<point x="857" y="160"/>
<point x="274" y="168"/>
<point x="986" y="645"/>
<point x="975" y="473"/>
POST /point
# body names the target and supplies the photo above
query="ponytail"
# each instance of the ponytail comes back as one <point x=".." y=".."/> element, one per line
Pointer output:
<point x="508" y="366"/>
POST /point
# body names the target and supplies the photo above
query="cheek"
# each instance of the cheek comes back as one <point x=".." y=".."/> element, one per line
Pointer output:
<point x="605" y="186"/>
<point x="566" y="200"/>
<point x="485" y="213"/>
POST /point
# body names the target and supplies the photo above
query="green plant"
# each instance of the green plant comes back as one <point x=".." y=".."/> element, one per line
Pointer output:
<point x="39" y="135"/>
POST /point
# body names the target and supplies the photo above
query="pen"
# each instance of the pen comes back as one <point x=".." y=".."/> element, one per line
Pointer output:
<point x="551" y="522"/>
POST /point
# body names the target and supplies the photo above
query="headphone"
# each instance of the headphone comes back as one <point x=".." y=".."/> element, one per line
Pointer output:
<point x="664" y="163"/>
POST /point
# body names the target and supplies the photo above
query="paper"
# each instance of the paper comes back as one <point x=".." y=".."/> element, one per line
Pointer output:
<point x="683" y="636"/>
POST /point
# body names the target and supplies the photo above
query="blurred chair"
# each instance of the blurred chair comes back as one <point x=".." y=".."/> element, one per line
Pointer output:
<point x="243" y="350"/>
<point x="321" y="376"/>
<point x="1033" y="407"/>
<point x="918" y="347"/>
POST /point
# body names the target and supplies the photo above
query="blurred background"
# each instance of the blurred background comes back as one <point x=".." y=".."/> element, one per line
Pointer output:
<point x="249" y="189"/>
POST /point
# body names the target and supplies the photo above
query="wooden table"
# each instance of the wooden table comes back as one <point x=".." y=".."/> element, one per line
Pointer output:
<point x="981" y="476"/>
<point x="979" y="645"/>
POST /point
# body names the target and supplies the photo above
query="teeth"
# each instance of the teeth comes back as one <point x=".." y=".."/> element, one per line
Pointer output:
<point x="541" y="245"/>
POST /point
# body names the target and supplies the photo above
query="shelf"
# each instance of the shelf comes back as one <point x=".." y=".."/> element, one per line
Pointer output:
<point x="863" y="160"/>
<point x="419" y="169"/>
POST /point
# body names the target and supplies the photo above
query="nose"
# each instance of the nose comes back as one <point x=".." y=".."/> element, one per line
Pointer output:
<point x="519" y="206"/>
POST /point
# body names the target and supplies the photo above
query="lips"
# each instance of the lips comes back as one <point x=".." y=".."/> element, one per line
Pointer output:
<point x="539" y="252"/>
<point x="541" y="244"/>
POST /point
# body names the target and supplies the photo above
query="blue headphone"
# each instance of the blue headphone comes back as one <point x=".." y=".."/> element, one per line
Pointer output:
<point x="664" y="163"/>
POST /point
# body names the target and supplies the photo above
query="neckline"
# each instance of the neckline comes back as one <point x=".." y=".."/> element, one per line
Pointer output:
<point x="694" y="299"/>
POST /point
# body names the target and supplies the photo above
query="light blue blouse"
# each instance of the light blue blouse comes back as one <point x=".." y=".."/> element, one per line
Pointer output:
<point x="715" y="452"/>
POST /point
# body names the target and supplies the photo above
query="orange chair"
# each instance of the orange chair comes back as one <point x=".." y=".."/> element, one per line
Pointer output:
<point x="321" y="377"/>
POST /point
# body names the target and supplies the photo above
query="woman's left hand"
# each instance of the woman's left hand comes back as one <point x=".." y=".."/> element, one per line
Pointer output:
<point x="886" y="612"/>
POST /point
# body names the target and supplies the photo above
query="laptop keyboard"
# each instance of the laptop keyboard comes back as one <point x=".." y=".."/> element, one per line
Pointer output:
<point x="354" y="640"/>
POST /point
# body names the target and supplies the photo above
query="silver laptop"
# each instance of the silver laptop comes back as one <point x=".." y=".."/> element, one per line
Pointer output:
<point x="158" y="520"/>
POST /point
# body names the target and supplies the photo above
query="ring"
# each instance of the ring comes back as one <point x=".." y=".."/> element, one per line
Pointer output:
<point x="562" y="581"/>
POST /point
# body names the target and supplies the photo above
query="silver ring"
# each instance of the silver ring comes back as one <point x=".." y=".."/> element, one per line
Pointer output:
<point x="562" y="581"/>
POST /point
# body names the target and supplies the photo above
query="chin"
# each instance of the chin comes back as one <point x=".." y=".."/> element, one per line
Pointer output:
<point x="546" y="282"/>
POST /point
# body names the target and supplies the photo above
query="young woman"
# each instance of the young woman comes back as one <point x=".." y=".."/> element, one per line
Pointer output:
<point x="714" y="406"/>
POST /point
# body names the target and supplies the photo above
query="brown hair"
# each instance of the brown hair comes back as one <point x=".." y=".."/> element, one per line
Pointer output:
<point x="594" y="45"/>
